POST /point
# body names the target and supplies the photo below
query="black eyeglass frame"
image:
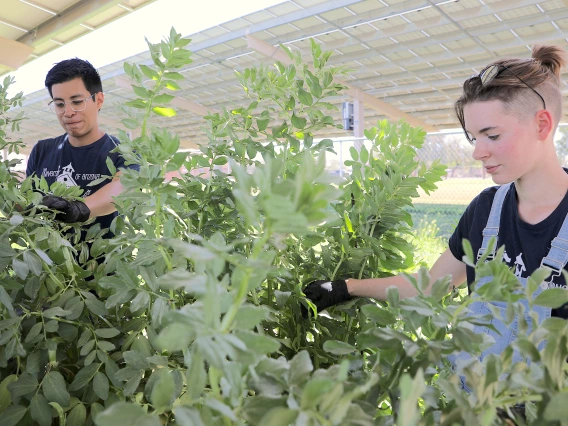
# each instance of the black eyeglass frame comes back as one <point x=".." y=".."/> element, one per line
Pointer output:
<point x="486" y="76"/>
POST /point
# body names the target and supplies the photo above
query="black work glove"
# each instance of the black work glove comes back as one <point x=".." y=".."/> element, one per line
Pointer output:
<point x="70" y="211"/>
<point x="325" y="293"/>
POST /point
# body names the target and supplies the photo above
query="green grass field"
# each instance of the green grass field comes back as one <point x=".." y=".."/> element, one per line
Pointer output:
<point x="455" y="191"/>
<point x="445" y="206"/>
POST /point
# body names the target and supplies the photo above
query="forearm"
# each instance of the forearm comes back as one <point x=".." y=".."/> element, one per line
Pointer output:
<point x="376" y="288"/>
<point x="101" y="202"/>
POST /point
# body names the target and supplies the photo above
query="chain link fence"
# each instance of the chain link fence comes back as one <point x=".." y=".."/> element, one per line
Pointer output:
<point x="465" y="177"/>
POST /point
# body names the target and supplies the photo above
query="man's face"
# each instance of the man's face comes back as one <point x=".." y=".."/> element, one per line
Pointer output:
<point x="78" y="124"/>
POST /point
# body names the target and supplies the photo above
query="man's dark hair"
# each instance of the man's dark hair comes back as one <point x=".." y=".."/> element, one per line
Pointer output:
<point x="71" y="69"/>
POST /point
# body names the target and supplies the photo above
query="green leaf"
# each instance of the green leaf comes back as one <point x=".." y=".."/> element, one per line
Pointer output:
<point x="223" y="409"/>
<point x="77" y="416"/>
<point x="34" y="331"/>
<point x="20" y="268"/>
<point x="300" y="367"/>
<point x="96" y="307"/>
<point x="40" y="410"/>
<point x="110" y="166"/>
<point x="55" y="388"/>
<point x="314" y="391"/>
<point x="43" y="256"/>
<point x="120" y="413"/>
<point x="5" y="395"/>
<point x="305" y="97"/>
<point x="354" y="153"/>
<point x="191" y="251"/>
<point x="262" y="124"/>
<point x="298" y="122"/>
<point x="25" y="384"/>
<point x="165" y="112"/>
<point x="364" y="154"/>
<point x="101" y="385"/>
<point x="336" y="347"/>
<point x="557" y="408"/>
<point x="55" y="312"/>
<point x="249" y="316"/>
<point x="186" y="416"/>
<point x="16" y="220"/>
<point x="552" y="298"/>
<point x="107" y="333"/>
<point x="6" y="300"/>
<point x="131" y="123"/>
<point x="381" y="316"/>
<point x="12" y="415"/>
<point x="141" y="91"/>
<point x="261" y="343"/>
<point x="279" y="416"/>
<point x="83" y="377"/>
<point x="411" y="390"/>
<point x="149" y="72"/>
<point x="163" y="389"/>
<point x="164" y="98"/>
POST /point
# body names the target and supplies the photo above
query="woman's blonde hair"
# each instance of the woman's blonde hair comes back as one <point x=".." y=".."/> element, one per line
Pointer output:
<point x="516" y="83"/>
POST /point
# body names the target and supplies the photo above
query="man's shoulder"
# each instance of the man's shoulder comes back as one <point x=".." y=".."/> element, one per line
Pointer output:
<point x="109" y="141"/>
<point x="52" y="141"/>
<point x="45" y="146"/>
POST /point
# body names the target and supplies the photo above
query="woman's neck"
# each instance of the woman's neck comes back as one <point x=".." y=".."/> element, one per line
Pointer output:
<point x="540" y="191"/>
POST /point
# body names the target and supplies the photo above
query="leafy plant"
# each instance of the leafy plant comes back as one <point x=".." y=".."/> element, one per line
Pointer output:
<point x="191" y="314"/>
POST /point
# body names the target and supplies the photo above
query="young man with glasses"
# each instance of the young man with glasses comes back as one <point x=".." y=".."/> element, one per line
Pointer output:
<point x="509" y="112"/>
<point x="78" y="157"/>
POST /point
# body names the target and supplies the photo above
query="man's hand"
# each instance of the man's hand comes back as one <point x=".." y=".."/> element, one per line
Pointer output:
<point x="324" y="293"/>
<point x="69" y="211"/>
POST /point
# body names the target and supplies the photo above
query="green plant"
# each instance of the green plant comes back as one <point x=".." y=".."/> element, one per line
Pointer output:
<point x="191" y="314"/>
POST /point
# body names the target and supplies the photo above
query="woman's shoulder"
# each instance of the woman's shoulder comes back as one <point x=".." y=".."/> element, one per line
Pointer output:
<point x="485" y="197"/>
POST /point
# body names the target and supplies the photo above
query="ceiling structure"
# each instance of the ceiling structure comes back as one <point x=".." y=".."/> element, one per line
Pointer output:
<point x="409" y="57"/>
<point x="31" y="28"/>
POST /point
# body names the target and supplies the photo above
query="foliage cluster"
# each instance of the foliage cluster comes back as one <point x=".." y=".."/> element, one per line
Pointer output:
<point x="191" y="314"/>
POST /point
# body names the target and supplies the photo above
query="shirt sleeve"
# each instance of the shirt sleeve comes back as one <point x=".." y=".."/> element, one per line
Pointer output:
<point x="462" y="230"/>
<point x="32" y="161"/>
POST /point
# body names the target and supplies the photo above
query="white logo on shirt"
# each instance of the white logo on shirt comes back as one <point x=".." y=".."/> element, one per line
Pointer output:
<point x="66" y="176"/>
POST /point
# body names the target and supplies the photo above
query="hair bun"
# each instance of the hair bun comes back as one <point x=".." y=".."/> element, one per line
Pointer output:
<point x="551" y="57"/>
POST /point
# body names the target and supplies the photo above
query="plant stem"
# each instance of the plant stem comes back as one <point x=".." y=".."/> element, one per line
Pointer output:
<point x="338" y="265"/>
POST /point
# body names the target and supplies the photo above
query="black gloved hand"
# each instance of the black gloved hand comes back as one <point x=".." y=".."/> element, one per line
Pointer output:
<point x="324" y="293"/>
<point x="70" y="211"/>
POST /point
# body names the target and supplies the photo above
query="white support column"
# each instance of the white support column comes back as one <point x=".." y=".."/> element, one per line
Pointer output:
<point x="358" y="122"/>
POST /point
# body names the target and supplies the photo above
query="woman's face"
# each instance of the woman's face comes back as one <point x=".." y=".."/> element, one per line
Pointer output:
<point x="505" y="144"/>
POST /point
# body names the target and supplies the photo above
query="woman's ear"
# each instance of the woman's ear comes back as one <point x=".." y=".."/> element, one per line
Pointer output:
<point x="545" y="124"/>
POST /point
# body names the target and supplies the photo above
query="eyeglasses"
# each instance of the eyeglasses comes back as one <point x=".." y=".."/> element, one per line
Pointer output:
<point x="487" y="76"/>
<point x="76" y="105"/>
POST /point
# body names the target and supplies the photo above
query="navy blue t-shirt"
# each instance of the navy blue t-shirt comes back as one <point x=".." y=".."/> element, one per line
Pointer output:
<point x="57" y="160"/>
<point x="525" y="244"/>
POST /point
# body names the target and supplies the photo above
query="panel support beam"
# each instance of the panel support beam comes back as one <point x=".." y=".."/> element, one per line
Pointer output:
<point x="70" y="17"/>
<point x="14" y="53"/>
<point x="278" y="54"/>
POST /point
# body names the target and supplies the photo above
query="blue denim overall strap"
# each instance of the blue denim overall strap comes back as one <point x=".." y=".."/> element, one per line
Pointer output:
<point x="492" y="227"/>
<point x="556" y="259"/>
